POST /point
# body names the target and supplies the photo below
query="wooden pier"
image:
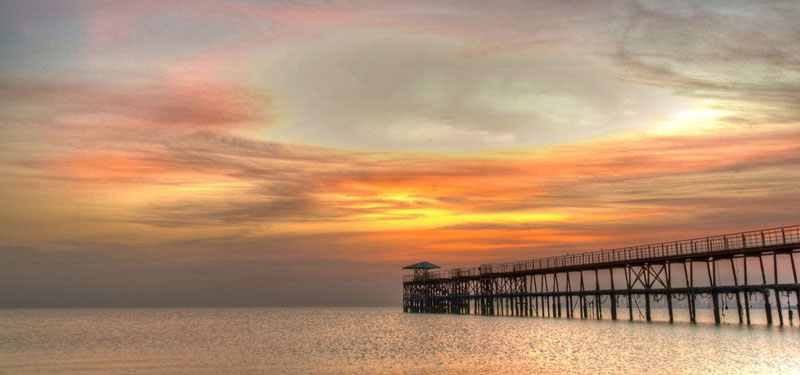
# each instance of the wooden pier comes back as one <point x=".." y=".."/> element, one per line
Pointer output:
<point x="726" y="269"/>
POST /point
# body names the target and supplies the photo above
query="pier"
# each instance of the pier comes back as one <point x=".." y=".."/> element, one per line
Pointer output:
<point x="748" y="269"/>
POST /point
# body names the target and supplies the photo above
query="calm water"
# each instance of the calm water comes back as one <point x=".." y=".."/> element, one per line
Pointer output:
<point x="374" y="341"/>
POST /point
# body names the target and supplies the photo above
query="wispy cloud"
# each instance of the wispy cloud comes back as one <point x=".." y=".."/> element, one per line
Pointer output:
<point x="223" y="181"/>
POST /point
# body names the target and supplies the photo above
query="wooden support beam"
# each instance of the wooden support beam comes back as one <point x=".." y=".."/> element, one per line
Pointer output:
<point x="546" y="298"/>
<point x="746" y="293"/>
<point x="584" y="310"/>
<point x="630" y="292"/>
<point x="689" y="294"/>
<point x="598" y="301"/>
<point x="570" y="311"/>
<point x="612" y="297"/>
<point x="712" y="279"/>
<point x="692" y="296"/>
<point x="646" y="268"/>
<point x="796" y="291"/>
<point x="738" y="299"/>
<point x="557" y="289"/>
<point x="777" y="292"/>
<point x="668" y="277"/>
<point x="767" y="307"/>
<point x="535" y="302"/>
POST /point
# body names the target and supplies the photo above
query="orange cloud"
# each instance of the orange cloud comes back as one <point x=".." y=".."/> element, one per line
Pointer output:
<point x="481" y="207"/>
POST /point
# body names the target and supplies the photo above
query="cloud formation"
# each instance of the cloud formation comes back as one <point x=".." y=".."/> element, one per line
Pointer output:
<point x="397" y="91"/>
<point x="159" y="153"/>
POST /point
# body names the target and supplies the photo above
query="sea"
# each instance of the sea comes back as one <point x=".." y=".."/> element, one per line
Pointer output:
<point x="379" y="341"/>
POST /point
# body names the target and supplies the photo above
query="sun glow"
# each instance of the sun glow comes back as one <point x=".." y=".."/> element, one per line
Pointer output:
<point x="689" y="121"/>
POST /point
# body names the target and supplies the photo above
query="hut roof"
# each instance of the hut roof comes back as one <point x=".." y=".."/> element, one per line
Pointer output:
<point x="421" y="266"/>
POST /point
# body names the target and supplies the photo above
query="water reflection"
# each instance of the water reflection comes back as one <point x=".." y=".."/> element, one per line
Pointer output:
<point x="379" y="341"/>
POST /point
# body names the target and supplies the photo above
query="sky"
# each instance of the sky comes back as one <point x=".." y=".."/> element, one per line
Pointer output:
<point x="299" y="153"/>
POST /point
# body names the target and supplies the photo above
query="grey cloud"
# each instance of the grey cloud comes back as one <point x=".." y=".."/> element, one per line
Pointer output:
<point x="393" y="91"/>
<point x="741" y="51"/>
<point x="744" y="52"/>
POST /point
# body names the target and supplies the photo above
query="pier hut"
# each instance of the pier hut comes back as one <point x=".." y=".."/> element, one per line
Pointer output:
<point x="421" y="269"/>
<point x="418" y="298"/>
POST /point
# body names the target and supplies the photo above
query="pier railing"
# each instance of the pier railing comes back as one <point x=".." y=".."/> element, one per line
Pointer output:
<point x="705" y="245"/>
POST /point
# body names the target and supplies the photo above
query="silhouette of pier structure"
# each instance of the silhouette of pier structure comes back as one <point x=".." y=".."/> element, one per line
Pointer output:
<point x="726" y="269"/>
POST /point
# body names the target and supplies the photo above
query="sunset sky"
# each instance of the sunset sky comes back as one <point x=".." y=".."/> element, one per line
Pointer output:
<point x="195" y="153"/>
